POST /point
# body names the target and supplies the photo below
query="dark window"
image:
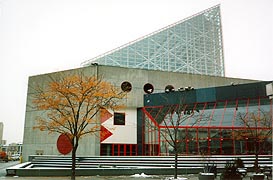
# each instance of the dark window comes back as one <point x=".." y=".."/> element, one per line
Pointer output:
<point x="126" y="86"/>
<point x="119" y="118"/>
<point x="148" y="88"/>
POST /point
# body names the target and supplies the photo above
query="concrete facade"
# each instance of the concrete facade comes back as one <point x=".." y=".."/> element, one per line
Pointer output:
<point x="37" y="142"/>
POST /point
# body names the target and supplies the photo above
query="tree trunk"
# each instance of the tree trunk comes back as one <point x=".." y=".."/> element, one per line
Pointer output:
<point x="256" y="163"/>
<point x="175" y="163"/>
<point x="73" y="167"/>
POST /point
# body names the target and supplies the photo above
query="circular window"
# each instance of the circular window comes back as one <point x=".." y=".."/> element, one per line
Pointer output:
<point x="126" y="86"/>
<point x="169" y="88"/>
<point x="148" y="88"/>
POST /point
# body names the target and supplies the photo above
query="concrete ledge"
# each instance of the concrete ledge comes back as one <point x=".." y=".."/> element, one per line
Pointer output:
<point x="11" y="171"/>
<point x="123" y="165"/>
<point x="99" y="171"/>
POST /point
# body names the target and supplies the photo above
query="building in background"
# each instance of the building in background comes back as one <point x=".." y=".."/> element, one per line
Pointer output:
<point x="1" y="132"/>
<point x="2" y="141"/>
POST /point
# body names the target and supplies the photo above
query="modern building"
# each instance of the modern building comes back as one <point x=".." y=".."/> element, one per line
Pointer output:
<point x="187" y="54"/>
<point x="123" y="136"/>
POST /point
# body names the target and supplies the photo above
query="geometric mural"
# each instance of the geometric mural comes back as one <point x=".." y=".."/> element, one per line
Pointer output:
<point x="64" y="145"/>
<point x="104" y="132"/>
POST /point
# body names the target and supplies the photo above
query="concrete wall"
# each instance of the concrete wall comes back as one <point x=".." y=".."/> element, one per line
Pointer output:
<point x="159" y="79"/>
<point x="36" y="141"/>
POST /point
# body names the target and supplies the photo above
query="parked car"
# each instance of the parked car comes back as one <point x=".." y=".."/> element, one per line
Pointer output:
<point x="15" y="157"/>
<point x="3" y="156"/>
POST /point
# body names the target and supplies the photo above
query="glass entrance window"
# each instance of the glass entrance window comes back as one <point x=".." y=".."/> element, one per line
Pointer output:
<point x="227" y="128"/>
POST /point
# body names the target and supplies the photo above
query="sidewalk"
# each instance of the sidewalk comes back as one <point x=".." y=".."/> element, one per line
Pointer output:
<point x="147" y="177"/>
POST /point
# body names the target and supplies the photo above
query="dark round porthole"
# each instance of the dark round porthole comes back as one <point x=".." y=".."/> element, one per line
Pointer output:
<point x="169" y="88"/>
<point x="126" y="86"/>
<point x="148" y="88"/>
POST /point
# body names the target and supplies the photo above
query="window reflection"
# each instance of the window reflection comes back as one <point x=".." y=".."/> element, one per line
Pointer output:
<point x="216" y="128"/>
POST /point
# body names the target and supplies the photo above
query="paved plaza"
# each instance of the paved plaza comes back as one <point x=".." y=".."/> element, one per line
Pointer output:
<point x="3" y="176"/>
<point x="183" y="177"/>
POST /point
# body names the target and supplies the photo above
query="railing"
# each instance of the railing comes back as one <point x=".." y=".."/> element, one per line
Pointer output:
<point x="128" y="165"/>
<point x="144" y="161"/>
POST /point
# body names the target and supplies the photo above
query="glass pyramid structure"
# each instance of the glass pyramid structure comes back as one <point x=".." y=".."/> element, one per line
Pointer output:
<point x="193" y="45"/>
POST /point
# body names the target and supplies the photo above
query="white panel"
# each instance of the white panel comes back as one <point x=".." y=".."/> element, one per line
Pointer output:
<point x="126" y="134"/>
<point x="269" y="89"/>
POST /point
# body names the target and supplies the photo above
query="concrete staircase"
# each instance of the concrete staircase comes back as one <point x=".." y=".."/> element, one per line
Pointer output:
<point x="127" y="165"/>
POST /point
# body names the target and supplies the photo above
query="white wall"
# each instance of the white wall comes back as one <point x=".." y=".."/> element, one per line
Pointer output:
<point x="122" y="134"/>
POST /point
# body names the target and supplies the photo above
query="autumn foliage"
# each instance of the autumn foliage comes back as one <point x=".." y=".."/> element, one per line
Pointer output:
<point x="71" y="104"/>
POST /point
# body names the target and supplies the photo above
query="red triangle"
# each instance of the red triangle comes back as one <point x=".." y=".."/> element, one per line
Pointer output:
<point x="104" y="115"/>
<point x="104" y="133"/>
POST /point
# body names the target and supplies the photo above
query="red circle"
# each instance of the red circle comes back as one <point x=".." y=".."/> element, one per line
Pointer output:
<point x="63" y="144"/>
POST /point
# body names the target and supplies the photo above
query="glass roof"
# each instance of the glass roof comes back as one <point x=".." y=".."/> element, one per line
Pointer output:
<point x="193" y="45"/>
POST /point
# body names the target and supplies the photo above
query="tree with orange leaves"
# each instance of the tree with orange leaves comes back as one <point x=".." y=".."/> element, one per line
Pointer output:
<point x="72" y="103"/>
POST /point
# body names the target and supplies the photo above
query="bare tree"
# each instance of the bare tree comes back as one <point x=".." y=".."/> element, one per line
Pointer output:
<point x="169" y="122"/>
<point x="257" y="130"/>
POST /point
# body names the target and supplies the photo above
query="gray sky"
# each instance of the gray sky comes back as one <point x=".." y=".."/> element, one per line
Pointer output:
<point x="40" y="36"/>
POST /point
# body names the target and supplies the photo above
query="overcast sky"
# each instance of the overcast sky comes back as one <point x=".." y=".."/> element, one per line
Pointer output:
<point x="41" y="36"/>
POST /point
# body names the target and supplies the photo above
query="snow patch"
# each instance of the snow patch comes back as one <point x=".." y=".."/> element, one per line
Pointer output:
<point x="140" y="175"/>
<point x="179" y="178"/>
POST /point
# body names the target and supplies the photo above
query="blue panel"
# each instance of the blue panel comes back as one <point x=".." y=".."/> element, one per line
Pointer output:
<point x="240" y="91"/>
<point x="185" y="97"/>
<point x="206" y="95"/>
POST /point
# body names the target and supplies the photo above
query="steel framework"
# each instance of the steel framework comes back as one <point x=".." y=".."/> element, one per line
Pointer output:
<point x="193" y="45"/>
<point x="218" y="134"/>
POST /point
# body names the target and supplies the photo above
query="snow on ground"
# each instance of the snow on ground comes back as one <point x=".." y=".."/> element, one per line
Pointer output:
<point x="142" y="175"/>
